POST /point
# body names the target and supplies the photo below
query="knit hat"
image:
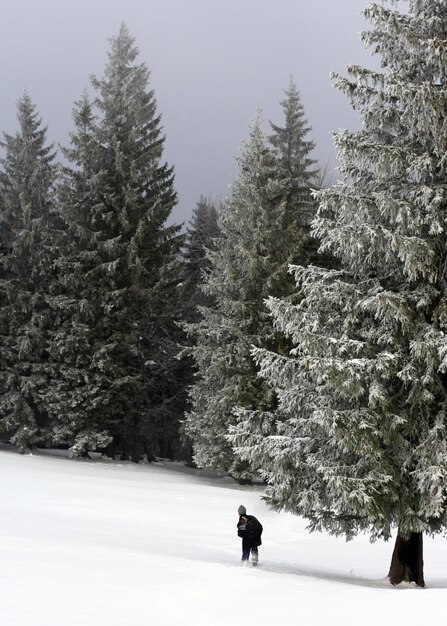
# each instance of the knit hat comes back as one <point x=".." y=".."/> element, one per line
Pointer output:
<point x="242" y="510"/>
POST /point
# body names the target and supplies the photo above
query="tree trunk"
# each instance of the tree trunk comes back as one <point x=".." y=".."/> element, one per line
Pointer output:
<point x="407" y="561"/>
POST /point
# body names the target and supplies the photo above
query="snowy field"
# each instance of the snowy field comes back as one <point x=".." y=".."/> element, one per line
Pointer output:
<point x="103" y="544"/>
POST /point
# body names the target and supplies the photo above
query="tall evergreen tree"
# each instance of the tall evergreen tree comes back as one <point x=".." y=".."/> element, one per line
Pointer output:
<point x="243" y="271"/>
<point x="359" y="441"/>
<point x="120" y="381"/>
<point x="266" y="227"/>
<point x="78" y="385"/>
<point x="201" y="235"/>
<point x="29" y="236"/>
<point x="296" y="169"/>
<point x="297" y="176"/>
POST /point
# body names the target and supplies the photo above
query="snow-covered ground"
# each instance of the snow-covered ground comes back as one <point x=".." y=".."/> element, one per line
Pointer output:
<point x="103" y="544"/>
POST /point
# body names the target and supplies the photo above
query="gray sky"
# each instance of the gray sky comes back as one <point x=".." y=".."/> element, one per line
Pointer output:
<point x="212" y="63"/>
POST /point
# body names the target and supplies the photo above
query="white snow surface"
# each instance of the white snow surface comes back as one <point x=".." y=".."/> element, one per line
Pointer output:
<point x="103" y="544"/>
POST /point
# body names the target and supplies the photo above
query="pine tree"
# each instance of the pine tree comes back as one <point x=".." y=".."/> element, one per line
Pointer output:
<point x="243" y="271"/>
<point x="296" y="169"/>
<point x="200" y="238"/>
<point x="78" y="385"/>
<point x="30" y="236"/>
<point x="358" y="441"/>
<point x="120" y="382"/>
<point x="299" y="177"/>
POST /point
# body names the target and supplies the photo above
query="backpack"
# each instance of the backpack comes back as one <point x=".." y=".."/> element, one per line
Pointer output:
<point x="253" y="528"/>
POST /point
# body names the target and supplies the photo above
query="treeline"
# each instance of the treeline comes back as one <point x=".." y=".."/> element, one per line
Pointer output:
<point x="112" y="323"/>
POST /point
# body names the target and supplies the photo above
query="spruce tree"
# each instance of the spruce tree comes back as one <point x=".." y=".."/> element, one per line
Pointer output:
<point x="243" y="271"/>
<point x="358" y="441"/>
<point x="78" y="384"/>
<point x="296" y="169"/>
<point x="201" y="235"/>
<point x="200" y="240"/>
<point x="298" y="176"/>
<point x="121" y="380"/>
<point x="30" y="236"/>
<point x="266" y="227"/>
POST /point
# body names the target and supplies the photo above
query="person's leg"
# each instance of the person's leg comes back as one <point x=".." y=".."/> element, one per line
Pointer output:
<point x="254" y="555"/>
<point x="245" y="552"/>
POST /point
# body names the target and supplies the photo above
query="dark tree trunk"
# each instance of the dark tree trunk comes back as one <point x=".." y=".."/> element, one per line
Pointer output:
<point x="136" y="453"/>
<point x="407" y="561"/>
<point x="136" y="444"/>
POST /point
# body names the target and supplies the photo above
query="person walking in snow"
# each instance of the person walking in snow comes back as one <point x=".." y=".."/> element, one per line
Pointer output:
<point x="250" y="530"/>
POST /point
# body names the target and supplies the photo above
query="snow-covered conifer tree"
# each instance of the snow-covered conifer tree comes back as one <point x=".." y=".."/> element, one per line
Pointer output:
<point x="30" y="236"/>
<point x="296" y="169"/>
<point x="243" y="271"/>
<point x="118" y="353"/>
<point x="358" y="441"/>
<point x="200" y="237"/>
<point x="265" y="228"/>
<point x="78" y="385"/>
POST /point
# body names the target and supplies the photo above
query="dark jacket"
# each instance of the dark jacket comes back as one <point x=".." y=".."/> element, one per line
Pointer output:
<point x="252" y="542"/>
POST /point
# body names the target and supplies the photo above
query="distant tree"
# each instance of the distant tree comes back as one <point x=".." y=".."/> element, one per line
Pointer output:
<point x="358" y="441"/>
<point x="265" y="228"/>
<point x="292" y="149"/>
<point x="30" y="235"/>
<point x="119" y="340"/>
<point x="299" y="176"/>
<point x="201" y="236"/>
<point x="222" y="338"/>
<point x="248" y="264"/>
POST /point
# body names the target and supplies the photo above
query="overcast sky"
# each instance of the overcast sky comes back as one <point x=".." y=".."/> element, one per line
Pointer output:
<point x="212" y="62"/>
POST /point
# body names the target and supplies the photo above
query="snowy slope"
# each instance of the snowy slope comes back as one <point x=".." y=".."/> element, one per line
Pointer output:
<point x="102" y="544"/>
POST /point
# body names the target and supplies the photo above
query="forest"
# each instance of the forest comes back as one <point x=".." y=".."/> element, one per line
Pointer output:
<point x="295" y="332"/>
